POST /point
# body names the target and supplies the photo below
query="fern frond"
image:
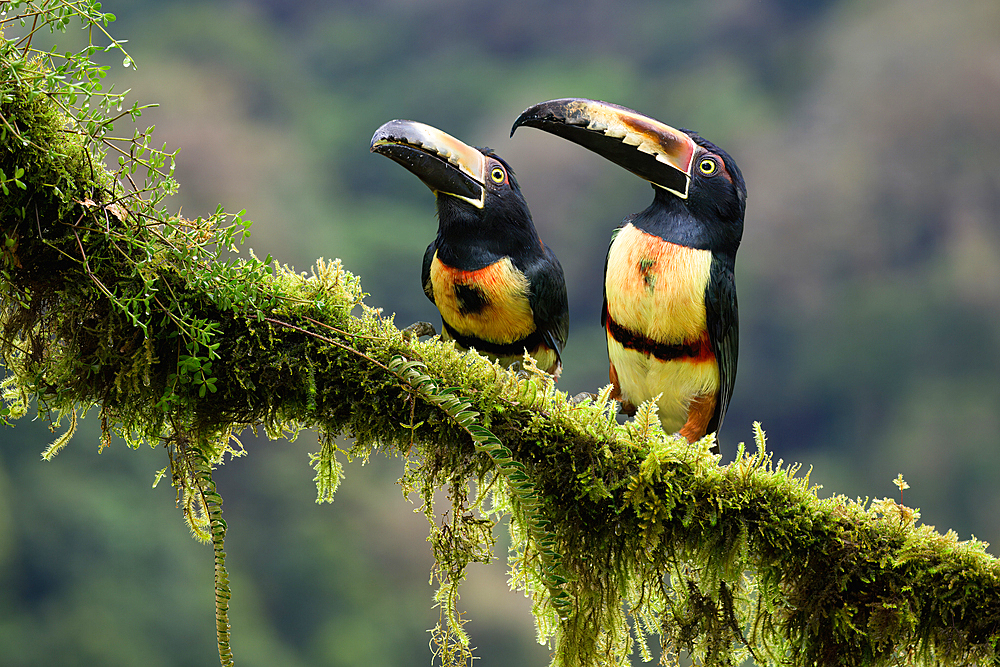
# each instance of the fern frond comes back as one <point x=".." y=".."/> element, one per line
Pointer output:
<point x="329" y="471"/>
<point x="61" y="441"/>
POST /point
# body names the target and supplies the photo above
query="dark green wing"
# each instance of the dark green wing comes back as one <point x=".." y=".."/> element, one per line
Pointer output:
<point x="604" y="282"/>
<point x="425" y="271"/>
<point x="723" y="331"/>
<point x="548" y="300"/>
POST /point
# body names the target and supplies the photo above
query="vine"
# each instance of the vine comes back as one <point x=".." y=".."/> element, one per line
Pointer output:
<point x="620" y="532"/>
<point x="192" y="476"/>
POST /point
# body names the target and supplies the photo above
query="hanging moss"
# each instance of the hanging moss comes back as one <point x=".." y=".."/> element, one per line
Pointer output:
<point x="621" y="533"/>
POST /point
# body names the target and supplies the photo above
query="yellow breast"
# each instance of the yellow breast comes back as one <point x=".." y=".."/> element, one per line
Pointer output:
<point x="655" y="287"/>
<point x="490" y="303"/>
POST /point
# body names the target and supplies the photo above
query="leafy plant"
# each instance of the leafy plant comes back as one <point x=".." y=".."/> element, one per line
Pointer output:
<point x="620" y="532"/>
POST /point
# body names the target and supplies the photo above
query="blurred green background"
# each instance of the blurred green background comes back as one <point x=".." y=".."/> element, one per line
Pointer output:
<point x="869" y="282"/>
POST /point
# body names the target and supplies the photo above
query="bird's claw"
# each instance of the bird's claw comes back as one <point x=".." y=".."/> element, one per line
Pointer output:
<point x="582" y="397"/>
<point x="526" y="368"/>
<point x="518" y="369"/>
<point x="418" y="329"/>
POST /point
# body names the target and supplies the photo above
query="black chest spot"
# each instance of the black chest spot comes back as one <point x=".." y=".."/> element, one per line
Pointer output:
<point x="470" y="299"/>
<point x="647" y="268"/>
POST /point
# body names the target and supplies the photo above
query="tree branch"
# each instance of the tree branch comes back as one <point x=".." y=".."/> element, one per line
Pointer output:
<point x="619" y="531"/>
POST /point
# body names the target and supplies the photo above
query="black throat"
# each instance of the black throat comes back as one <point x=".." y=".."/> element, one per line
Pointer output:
<point x="688" y="223"/>
<point x="470" y="238"/>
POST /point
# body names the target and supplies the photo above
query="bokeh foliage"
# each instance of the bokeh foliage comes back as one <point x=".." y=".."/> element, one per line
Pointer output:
<point x="112" y="302"/>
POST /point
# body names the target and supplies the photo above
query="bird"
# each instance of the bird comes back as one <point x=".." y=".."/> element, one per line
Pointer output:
<point x="498" y="287"/>
<point x="670" y="310"/>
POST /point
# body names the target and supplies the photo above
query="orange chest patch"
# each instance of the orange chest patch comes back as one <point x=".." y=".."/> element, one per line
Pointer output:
<point x="655" y="287"/>
<point x="490" y="303"/>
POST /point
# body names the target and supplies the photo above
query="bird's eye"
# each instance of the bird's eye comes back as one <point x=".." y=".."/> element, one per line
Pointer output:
<point x="708" y="166"/>
<point x="498" y="175"/>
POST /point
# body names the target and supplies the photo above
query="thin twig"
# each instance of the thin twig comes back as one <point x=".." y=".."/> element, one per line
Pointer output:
<point x="90" y="274"/>
<point x="325" y="339"/>
<point x="340" y="331"/>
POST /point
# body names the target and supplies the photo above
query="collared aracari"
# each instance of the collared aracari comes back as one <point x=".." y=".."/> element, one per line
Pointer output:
<point x="669" y="285"/>
<point x="499" y="289"/>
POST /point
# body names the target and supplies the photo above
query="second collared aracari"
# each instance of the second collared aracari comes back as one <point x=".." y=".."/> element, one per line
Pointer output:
<point x="499" y="289"/>
<point x="669" y="288"/>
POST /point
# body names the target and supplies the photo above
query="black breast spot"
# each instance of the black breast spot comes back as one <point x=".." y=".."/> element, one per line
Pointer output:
<point x="470" y="299"/>
<point x="647" y="267"/>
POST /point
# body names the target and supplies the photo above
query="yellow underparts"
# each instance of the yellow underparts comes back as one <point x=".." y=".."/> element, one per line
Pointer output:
<point x="498" y="313"/>
<point x="657" y="289"/>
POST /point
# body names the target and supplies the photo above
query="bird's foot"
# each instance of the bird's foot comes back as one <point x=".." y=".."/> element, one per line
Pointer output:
<point x="526" y="368"/>
<point x="627" y="408"/>
<point x="518" y="369"/>
<point x="418" y="329"/>
<point x="582" y="397"/>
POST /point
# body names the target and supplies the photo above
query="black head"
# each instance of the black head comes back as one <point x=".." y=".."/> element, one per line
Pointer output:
<point x="700" y="193"/>
<point x="479" y="202"/>
<point x="716" y="201"/>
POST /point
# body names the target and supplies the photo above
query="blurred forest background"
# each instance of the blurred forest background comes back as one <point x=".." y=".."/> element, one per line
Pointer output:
<point x="869" y="284"/>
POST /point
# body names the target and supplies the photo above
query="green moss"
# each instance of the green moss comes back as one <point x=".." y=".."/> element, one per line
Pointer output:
<point x="38" y="143"/>
<point x="620" y="533"/>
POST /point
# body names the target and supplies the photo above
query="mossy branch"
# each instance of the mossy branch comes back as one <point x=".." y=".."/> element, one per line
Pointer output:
<point x="619" y="532"/>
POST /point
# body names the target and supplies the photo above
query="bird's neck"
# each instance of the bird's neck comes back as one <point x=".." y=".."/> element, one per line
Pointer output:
<point x="672" y="219"/>
<point x="669" y="218"/>
<point x="471" y="241"/>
